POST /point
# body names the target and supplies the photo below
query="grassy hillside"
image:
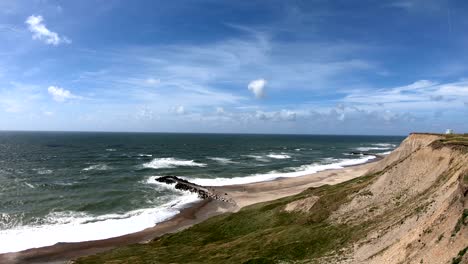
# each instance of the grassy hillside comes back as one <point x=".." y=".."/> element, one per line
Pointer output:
<point x="257" y="234"/>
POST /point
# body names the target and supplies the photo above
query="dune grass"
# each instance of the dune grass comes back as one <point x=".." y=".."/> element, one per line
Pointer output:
<point x="261" y="233"/>
<point x="455" y="141"/>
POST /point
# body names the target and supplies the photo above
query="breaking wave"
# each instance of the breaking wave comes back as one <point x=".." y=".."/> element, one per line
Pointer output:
<point x="99" y="167"/>
<point x="73" y="226"/>
<point x="167" y="163"/>
<point x="222" y="160"/>
<point x="278" y="156"/>
<point x="292" y="172"/>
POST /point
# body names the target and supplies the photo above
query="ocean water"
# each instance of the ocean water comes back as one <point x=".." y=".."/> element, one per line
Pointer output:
<point x="69" y="187"/>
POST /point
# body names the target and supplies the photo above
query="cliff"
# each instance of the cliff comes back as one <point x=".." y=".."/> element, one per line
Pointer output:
<point x="411" y="207"/>
<point x="418" y="203"/>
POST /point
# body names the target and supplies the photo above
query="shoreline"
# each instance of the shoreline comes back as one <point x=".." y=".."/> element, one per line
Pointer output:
<point x="243" y="194"/>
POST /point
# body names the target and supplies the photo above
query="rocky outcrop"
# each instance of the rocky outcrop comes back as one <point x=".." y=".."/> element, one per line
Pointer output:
<point x="203" y="192"/>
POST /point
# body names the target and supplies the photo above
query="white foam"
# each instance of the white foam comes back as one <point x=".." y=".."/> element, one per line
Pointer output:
<point x="43" y="171"/>
<point x="76" y="227"/>
<point x="145" y="155"/>
<point x="111" y="149"/>
<point x="64" y="183"/>
<point x="372" y="148"/>
<point x="384" y="145"/>
<point x="296" y="172"/>
<point x="165" y="163"/>
<point x="152" y="180"/>
<point x="257" y="157"/>
<point x="29" y="185"/>
<point x="377" y="146"/>
<point x="100" y="167"/>
<point x="278" y="156"/>
<point x="385" y="153"/>
<point x="222" y="160"/>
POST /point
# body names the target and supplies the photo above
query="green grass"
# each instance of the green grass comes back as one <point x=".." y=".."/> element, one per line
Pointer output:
<point x="261" y="233"/>
<point x="465" y="178"/>
<point x="461" y="221"/>
<point x="457" y="141"/>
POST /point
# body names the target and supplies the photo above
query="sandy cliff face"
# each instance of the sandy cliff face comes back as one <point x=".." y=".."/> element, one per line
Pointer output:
<point x="418" y="202"/>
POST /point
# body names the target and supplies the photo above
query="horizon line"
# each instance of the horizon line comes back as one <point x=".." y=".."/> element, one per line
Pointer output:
<point x="212" y="133"/>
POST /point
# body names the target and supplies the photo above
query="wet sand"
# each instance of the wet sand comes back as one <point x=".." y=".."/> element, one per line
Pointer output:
<point x="243" y="195"/>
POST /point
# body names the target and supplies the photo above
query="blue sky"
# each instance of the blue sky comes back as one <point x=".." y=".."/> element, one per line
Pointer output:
<point x="339" y="67"/>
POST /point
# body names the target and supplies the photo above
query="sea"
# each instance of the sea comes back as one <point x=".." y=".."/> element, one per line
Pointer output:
<point x="81" y="186"/>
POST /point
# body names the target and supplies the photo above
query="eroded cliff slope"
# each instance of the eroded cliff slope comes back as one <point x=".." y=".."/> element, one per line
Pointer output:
<point x="418" y="203"/>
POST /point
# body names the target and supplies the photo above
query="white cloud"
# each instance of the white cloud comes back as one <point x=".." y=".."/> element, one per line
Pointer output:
<point x="12" y="106"/>
<point x="205" y="75"/>
<point x="220" y="110"/>
<point x="287" y="115"/>
<point x="276" y="116"/>
<point x="146" y="113"/>
<point x="152" y="81"/>
<point x="41" y="32"/>
<point x="180" y="110"/>
<point x="257" y="87"/>
<point x="60" y="94"/>
<point x="403" y="4"/>
<point x="419" y="5"/>
<point x="420" y="95"/>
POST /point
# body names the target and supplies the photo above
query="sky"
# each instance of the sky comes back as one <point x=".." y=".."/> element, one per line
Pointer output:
<point x="296" y="67"/>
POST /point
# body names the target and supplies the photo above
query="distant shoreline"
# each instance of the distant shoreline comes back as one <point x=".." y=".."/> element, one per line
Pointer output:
<point x="242" y="194"/>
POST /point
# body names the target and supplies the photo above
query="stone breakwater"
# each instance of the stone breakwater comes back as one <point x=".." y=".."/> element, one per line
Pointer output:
<point x="203" y="192"/>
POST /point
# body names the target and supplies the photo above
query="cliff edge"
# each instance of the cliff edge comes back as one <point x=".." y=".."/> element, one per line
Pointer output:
<point x="418" y="203"/>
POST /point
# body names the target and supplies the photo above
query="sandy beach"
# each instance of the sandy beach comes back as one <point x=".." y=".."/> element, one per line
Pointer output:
<point x="243" y="195"/>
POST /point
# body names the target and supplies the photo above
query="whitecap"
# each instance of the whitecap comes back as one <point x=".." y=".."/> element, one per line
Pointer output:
<point x="29" y="185"/>
<point x="152" y="180"/>
<point x="372" y="148"/>
<point x="65" y="183"/>
<point x="384" y="153"/>
<point x="293" y="172"/>
<point x="278" y="156"/>
<point x="111" y="149"/>
<point x="43" y="171"/>
<point x="384" y="145"/>
<point x="222" y="160"/>
<point x="167" y="163"/>
<point x="258" y="157"/>
<point x="99" y="167"/>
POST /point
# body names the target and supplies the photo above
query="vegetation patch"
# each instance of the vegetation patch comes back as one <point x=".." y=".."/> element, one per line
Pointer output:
<point x="465" y="177"/>
<point x="440" y="237"/>
<point x="459" y="257"/>
<point x="461" y="222"/>
<point x="455" y="141"/>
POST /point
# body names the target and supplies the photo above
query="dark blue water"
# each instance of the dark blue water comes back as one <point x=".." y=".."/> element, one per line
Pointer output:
<point x="82" y="186"/>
